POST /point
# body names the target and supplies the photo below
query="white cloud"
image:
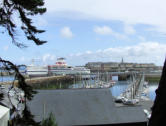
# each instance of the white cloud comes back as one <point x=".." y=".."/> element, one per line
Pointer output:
<point x="129" y="11"/>
<point x="66" y="32"/>
<point x="106" y="30"/>
<point x="5" y="48"/>
<point x="48" y="58"/>
<point x="88" y="52"/>
<point x="128" y="29"/>
<point x="147" y="52"/>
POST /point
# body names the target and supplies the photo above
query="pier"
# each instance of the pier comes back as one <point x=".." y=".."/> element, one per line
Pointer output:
<point x="137" y="89"/>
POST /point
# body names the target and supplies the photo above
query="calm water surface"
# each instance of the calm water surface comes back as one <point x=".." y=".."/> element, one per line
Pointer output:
<point x="119" y="87"/>
<point x="6" y="78"/>
<point x="152" y="88"/>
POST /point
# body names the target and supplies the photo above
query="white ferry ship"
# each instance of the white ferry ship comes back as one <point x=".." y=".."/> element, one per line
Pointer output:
<point x="61" y="68"/>
<point x="36" y="71"/>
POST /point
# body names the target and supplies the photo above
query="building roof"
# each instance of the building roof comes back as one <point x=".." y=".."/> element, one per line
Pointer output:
<point x="3" y="111"/>
<point x="84" y="107"/>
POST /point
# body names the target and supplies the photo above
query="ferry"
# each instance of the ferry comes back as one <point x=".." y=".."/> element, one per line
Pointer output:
<point x="36" y="71"/>
<point x="59" y="68"/>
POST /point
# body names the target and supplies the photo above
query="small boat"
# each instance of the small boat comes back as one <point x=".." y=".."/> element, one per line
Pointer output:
<point x="145" y="84"/>
<point x="112" y="82"/>
<point x="143" y="94"/>
<point x="120" y="99"/>
<point x="131" y="102"/>
<point x="107" y="85"/>
<point x="88" y="86"/>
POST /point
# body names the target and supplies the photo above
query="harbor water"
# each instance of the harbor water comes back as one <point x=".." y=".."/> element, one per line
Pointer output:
<point x="152" y="88"/>
<point x="6" y="78"/>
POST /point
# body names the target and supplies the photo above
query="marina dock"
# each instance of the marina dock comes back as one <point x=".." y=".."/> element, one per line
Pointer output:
<point x="137" y="89"/>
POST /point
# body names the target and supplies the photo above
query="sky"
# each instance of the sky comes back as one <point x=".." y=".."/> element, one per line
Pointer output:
<point x="94" y="30"/>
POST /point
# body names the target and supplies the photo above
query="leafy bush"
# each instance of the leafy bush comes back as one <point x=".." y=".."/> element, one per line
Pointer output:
<point x="50" y="121"/>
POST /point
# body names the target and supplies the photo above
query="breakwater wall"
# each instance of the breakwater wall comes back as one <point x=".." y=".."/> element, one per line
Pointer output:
<point x="45" y="81"/>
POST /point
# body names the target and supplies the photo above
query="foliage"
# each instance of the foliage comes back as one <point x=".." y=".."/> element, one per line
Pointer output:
<point x="153" y="79"/>
<point x="50" y="121"/>
<point x="27" y="119"/>
<point x="159" y="107"/>
<point x="1" y="96"/>
<point x="9" y="66"/>
<point x="24" y="9"/>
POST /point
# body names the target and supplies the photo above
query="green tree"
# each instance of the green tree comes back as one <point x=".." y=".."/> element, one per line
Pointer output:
<point x="159" y="108"/>
<point x="50" y="121"/>
<point x="27" y="119"/>
<point x="25" y="10"/>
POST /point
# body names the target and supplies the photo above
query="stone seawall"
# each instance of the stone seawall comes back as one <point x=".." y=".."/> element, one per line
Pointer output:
<point x="35" y="82"/>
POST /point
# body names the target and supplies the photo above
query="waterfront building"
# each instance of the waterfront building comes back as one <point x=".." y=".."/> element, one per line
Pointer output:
<point x="121" y="67"/>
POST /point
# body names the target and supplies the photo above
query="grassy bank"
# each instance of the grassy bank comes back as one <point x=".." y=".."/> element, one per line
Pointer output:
<point x="152" y="79"/>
